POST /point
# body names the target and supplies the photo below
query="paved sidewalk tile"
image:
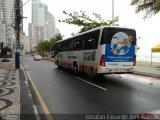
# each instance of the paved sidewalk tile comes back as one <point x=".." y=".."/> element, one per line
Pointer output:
<point x="9" y="94"/>
<point x="8" y="65"/>
<point x="9" y="91"/>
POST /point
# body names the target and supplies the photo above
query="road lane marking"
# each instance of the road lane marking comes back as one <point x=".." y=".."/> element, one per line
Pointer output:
<point x="42" y="103"/>
<point x="91" y="83"/>
<point x="59" y="70"/>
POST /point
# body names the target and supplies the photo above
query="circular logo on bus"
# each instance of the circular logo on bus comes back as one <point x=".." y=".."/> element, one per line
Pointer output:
<point x="120" y="44"/>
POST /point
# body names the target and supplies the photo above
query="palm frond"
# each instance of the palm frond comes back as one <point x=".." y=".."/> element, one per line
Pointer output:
<point x="145" y="6"/>
<point x="134" y="2"/>
<point x="151" y="7"/>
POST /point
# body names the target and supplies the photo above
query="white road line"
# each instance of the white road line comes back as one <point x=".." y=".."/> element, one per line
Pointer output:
<point x="38" y="95"/>
<point x="91" y="83"/>
<point x="59" y="70"/>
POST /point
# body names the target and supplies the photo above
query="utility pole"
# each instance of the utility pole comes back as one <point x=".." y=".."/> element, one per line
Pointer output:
<point x="112" y="10"/>
<point x="18" y="19"/>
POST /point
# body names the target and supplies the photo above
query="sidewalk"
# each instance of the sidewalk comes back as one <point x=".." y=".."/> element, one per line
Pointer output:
<point x="145" y="68"/>
<point x="149" y="71"/>
<point x="9" y="91"/>
<point x="15" y="101"/>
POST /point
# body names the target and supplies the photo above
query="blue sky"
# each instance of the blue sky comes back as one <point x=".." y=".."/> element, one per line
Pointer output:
<point x="147" y="29"/>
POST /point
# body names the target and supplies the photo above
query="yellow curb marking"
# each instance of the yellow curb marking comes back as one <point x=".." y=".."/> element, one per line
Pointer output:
<point x="44" y="107"/>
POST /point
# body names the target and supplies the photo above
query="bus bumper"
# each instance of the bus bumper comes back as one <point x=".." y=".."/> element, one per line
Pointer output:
<point x="104" y="70"/>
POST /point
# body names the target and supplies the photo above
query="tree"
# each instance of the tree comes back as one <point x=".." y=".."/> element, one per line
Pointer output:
<point x="4" y="53"/>
<point x="58" y="37"/>
<point x="46" y="46"/>
<point x="43" y="46"/>
<point x="84" y="21"/>
<point x="152" y="7"/>
<point x="5" y="50"/>
<point x="54" y="40"/>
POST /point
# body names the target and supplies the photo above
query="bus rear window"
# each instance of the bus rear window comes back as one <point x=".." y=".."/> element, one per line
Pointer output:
<point x="109" y="33"/>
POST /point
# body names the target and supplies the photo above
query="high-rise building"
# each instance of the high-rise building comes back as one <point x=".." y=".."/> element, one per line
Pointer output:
<point x="2" y="32"/>
<point x="51" y="26"/>
<point x="31" y="35"/>
<point x="8" y="18"/>
<point x="2" y="26"/>
<point x="1" y="13"/>
<point x="43" y="23"/>
<point x="24" y="44"/>
<point x="39" y="19"/>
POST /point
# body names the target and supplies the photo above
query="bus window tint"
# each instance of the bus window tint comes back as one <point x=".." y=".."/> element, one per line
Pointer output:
<point x="66" y="45"/>
<point x="88" y="42"/>
<point x="108" y="33"/>
<point x="60" y="46"/>
<point x="78" y="43"/>
<point x="91" y="40"/>
<point x="71" y="44"/>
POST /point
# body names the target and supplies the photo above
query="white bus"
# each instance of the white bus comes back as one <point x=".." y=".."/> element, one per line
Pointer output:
<point x="102" y="50"/>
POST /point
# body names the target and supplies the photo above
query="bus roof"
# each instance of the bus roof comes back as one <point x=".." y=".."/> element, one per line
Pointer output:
<point x="97" y="28"/>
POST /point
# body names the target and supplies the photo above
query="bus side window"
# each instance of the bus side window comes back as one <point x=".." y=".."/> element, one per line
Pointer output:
<point x="78" y="43"/>
<point x="87" y="41"/>
<point x="55" y="49"/>
<point x="95" y="39"/>
<point x="60" y="46"/>
<point x="65" y="46"/>
<point x="74" y="45"/>
<point x="71" y="44"/>
<point x="91" y="40"/>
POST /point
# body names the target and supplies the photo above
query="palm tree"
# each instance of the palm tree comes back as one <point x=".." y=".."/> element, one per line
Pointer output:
<point x="59" y="36"/>
<point x="151" y="7"/>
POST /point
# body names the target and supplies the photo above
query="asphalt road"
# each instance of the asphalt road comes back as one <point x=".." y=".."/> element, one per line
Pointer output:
<point x="65" y="93"/>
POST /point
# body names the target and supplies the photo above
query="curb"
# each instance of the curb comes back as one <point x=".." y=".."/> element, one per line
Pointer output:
<point x="147" y="74"/>
<point x="31" y="111"/>
<point x="42" y="110"/>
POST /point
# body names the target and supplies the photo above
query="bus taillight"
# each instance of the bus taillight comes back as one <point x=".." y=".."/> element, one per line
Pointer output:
<point x="102" y="61"/>
<point x="134" y="64"/>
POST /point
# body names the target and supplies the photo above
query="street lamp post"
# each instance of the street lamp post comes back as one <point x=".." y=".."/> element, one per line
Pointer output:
<point x="112" y="11"/>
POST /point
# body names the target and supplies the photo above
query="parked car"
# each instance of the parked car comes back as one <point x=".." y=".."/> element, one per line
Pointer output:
<point x="37" y="57"/>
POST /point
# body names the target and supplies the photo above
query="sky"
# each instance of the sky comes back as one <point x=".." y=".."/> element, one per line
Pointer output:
<point x="147" y="30"/>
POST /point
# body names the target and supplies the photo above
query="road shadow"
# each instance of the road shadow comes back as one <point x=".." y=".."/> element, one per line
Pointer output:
<point x="108" y="80"/>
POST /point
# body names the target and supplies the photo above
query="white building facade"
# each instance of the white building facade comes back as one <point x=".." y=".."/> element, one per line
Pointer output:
<point x="26" y="44"/>
<point x="2" y="26"/>
<point x="2" y="32"/>
<point x="8" y="18"/>
<point x="43" y="23"/>
<point x="51" y="26"/>
<point x="31" y="36"/>
<point x="39" y="20"/>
